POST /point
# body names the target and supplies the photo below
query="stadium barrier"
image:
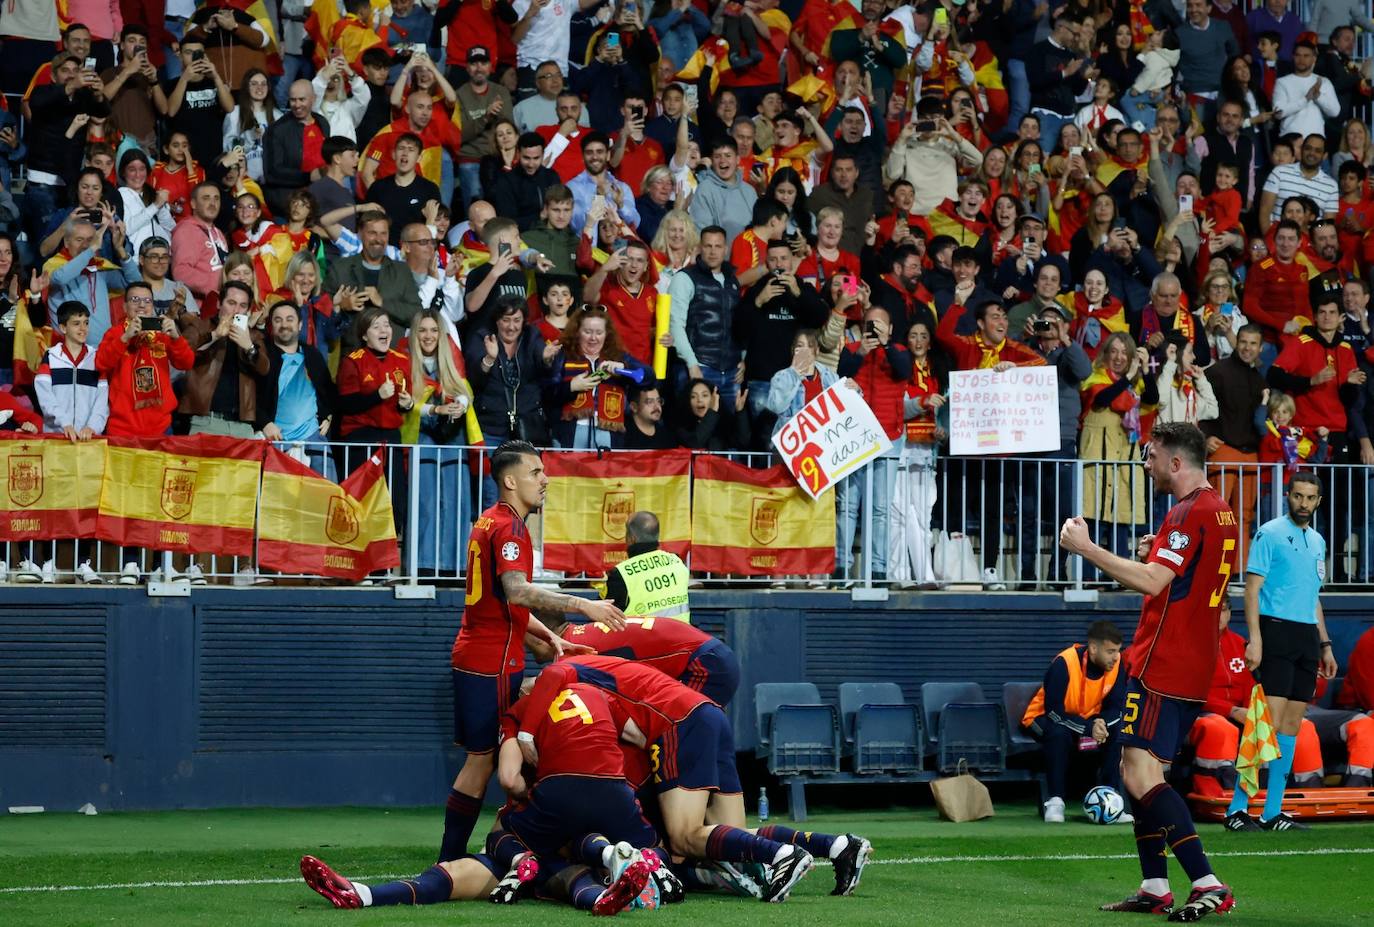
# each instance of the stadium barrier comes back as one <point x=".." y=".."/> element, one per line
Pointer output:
<point x="1023" y="500"/>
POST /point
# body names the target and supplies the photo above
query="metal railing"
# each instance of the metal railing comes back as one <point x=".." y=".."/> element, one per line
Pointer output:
<point x="909" y="521"/>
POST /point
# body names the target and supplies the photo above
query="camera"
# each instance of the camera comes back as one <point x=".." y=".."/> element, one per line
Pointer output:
<point x="150" y="323"/>
<point x="1041" y="326"/>
<point x="925" y="125"/>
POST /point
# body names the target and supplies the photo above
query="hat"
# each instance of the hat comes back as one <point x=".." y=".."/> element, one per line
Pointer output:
<point x="1029" y="217"/>
<point x="155" y="241"/>
<point x="1064" y="314"/>
<point x="478" y="53"/>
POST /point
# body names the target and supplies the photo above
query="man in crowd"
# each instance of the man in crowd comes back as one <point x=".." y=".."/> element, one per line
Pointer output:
<point x="723" y="197"/>
<point x="481" y="104"/>
<point x="292" y="148"/>
<point x="295" y="398"/>
<point x="596" y="180"/>
<point x="628" y="295"/>
<point x="706" y="298"/>
<point x="404" y="194"/>
<point x="1232" y="438"/>
<point x="519" y="193"/>
<point x="644" y="428"/>
<point x="843" y="192"/>
<point x="221" y="389"/>
<point x="374" y="279"/>
<point x="198" y="246"/>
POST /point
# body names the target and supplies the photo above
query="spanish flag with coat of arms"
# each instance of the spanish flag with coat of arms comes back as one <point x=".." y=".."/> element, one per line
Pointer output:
<point x="591" y="497"/>
<point x="758" y="522"/>
<point x="52" y="486"/>
<point x="308" y="524"/>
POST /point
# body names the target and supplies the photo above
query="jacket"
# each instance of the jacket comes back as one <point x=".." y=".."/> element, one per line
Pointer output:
<point x="708" y="319"/>
<point x="881" y="375"/>
<point x="395" y="283"/>
<point x="282" y="147"/>
<point x="316" y="368"/>
<point x="142" y="364"/>
<point x="1050" y="89"/>
<point x="558" y="246"/>
<point x="514" y="409"/>
<point x="71" y="392"/>
<point x="519" y="196"/>
<point x="203" y="378"/>
<point x="786" y="396"/>
<point x="729" y="205"/>
<point x="857" y="208"/>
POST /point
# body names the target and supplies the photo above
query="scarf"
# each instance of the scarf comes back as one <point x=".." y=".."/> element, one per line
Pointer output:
<point x="1092" y="324"/>
<point x="923" y="384"/>
<point x="991" y="354"/>
<point x="1151" y="323"/>
<point x="604" y="404"/>
<point x="150" y="355"/>
<point x="1295" y="446"/>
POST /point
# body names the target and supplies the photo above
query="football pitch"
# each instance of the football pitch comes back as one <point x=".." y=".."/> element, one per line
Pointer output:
<point x="239" y="867"/>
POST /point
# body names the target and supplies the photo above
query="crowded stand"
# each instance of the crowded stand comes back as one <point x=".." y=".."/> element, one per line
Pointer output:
<point x="448" y="224"/>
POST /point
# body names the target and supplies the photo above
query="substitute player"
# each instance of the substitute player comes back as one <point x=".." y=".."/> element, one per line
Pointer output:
<point x="1183" y="578"/>
<point x="1288" y="642"/>
<point x="489" y="653"/>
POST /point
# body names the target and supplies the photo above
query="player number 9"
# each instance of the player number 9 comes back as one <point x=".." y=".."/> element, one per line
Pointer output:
<point x="812" y="472"/>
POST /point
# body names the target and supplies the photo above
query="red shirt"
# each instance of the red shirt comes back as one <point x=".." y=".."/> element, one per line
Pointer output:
<point x="654" y="701"/>
<point x="577" y="732"/>
<point x="817" y="269"/>
<point x="747" y="252"/>
<point x="665" y="644"/>
<point x="139" y="373"/>
<point x="1305" y="356"/>
<point x="311" y="158"/>
<point x="178" y="185"/>
<point x="632" y="315"/>
<point x="1275" y="294"/>
<point x="1174" y="652"/>
<point x="569" y="163"/>
<point x="811" y="387"/>
<point x="971" y="352"/>
<point x="491" y="640"/>
<point x="1231" y="681"/>
<point x="639" y="157"/>
<point x="1358" y="689"/>
<point x="365" y="372"/>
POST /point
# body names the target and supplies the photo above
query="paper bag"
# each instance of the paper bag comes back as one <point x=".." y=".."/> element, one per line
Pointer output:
<point x="962" y="798"/>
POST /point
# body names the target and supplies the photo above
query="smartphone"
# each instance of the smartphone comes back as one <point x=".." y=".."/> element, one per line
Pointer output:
<point x="1033" y="169"/>
<point x="779" y="272"/>
<point x="690" y="95"/>
<point x="94" y="216"/>
<point x="240" y="320"/>
<point x="1118" y="223"/>
<point x="503" y="249"/>
<point x="849" y="285"/>
<point x="90" y="64"/>
<point x="637" y="111"/>
<point x="925" y="125"/>
<point x="1228" y="308"/>
<point x="198" y="54"/>
<point x="941" y="16"/>
<point x="620" y="244"/>
<point x="613" y="40"/>
<point x="1076" y="151"/>
<point x="150" y="323"/>
<point x="1185" y="202"/>
<point x="870" y="329"/>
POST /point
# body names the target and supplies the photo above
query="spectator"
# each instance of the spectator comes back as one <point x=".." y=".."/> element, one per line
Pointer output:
<point x="377" y="111"/>
<point x="78" y="273"/>
<point x="435" y="135"/>
<point x="501" y="276"/>
<point x="597" y="180"/>
<point x="135" y="97"/>
<point x="798" y="382"/>
<point x="542" y="34"/>
<point x="293" y="147"/>
<point x="1221" y="317"/>
<point x="519" y="193"/>
<point x="144" y="209"/>
<point x="1320" y="371"/>
<point x="681" y="28"/>
<point x="88" y="202"/>
<point x="1054" y="71"/>
<point x="553" y="237"/>
<point x="198" y="246"/>
<point x="137" y="365"/>
<point x="319" y="323"/>
<point x="589" y="382"/>
<point x="481" y="103"/>
<point x="859" y="139"/>
<point x="245" y="126"/>
<point x="1115" y="398"/>
<point x="769" y="314"/>
<point x="879" y="54"/>
<point x="702" y="426"/>
<point x="1306" y="178"/>
<point x="198" y="101"/>
<point x="437" y="288"/>
<point x="295" y="398"/>
<point x="881" y="367"/>
<point x="71" y="392"/>
<point x="1023" y="317"/>
<point x="1276" y="293"/>
<point x="62" y="106"/>
<point x="1274" y="16"/>
<point x="1163" y="322"/>
<point x="373" y="281"/>
<point x="633" y="153"/>
<point x="1205" y="45"/>
<point x="966" y="288"/>
<point x="1306" y="99"/>
<point x="404" y="194"/>
<point x="178" y="174"/>
<point x="930" y="159"/>
<point x="914" y="491"/>
<point x="505" y="154"/>
<point x="655" y="200"/>
<point x="1185" y="393"/>
<point x="220" y="393"/>
<point x="722" y="197"/>
<point x="629" y="297"/>
<point x="1128" y="268"/>
<point x="705" y="301"/>
<point x="644" y="428"/>
<point x="342" y="98"/>
<point x="675" y="244"/>
<point x="901" y="292"/>
<point x="334" y="188"/>
<point x="663" y="128"/>
<point x="842" y="192"/>
<point x="541" y="109"/>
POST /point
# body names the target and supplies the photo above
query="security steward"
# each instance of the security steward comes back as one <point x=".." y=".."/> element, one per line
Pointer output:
<point x="1078" y="709"/>
<point x="1288" y="643"/>
<point x="649" y="583"/>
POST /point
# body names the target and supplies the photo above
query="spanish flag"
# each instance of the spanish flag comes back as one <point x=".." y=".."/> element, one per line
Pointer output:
<point x="307" y="524"/>
<point x="193" y="494"/>
<point x="52" y="486"/>
<point x="592" y="496"/>
<point x="758" y="522"/>
<point x="1258" y="743"/>
<point x="714" y="54"/>
<point x="29" y="346"/>
<point x="258" y="11"/>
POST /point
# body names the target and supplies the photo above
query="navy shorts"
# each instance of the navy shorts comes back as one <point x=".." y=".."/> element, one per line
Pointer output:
<point x="713" y="671"/>
<point x="1156" y="723"/>
<point x="562" y="809"/>
<point x="697" y="754"/>
<point x="478" y="703"/>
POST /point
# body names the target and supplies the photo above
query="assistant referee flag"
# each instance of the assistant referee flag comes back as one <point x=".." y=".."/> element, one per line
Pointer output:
<point x="758" y="522"/>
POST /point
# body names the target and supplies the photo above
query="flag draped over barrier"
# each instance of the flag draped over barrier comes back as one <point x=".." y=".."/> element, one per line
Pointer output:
<point x="591" y="497"/>
<point x="758" y="522"/>
<point x="52" y="487"/>
<point x="1258" y="742"/>
<point x="190" y="494"/>
<point x="307" y="524"/>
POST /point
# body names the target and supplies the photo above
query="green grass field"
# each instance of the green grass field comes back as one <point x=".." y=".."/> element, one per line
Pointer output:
<point x="169" y="869"/>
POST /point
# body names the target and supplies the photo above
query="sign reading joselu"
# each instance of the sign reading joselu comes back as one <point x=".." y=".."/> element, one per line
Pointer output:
<point x="1012" y="412"/>
<point x="832" y="436"/>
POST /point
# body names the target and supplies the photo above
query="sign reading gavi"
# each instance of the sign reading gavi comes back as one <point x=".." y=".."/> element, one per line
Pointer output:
<point x="832" y="436"/>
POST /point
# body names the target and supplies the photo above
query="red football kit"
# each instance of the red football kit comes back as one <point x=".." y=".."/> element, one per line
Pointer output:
<point x="632" y="315"/>
<point x="666" y="645"/>
<point x="364" y="371"/>
<point x="577" y="732"/>
<point x="1174" y="652"/>
<point x="1320" y="404"/>
<point x="655" y="702"/>
<point x="491" y="641"/>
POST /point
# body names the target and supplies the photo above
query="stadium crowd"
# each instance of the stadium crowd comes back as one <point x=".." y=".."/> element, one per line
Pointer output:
<point x="404" y="223"/>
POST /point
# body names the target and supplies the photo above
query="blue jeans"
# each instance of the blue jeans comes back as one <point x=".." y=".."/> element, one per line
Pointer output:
<point x="1050" y="124"/>
<point x="39" y="204"/>
<point x="293" y="67"/>
<point x="758" y="395"/>
<point x="1018" y="90"/>
<point x="470" y="182"/>
<point x="849" y="502"/>
<point x="447" y="516"/>
<point x="1138" y="107"/>
<point x="447" y="178"/>
<point x="1047" y="499"/>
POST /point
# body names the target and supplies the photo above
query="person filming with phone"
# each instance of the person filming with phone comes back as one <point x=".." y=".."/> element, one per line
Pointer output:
<point x="222" y="386"/>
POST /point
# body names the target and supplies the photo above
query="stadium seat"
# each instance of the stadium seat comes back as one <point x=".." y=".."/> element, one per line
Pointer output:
<point x="935" y="696"/>
<point x="855" y="695"/>
<point x="805" y="739"/>
<point x="1015" y="697"/>
<point x="887" y="738"/>
<point x="972" y="734"/>
<point x="769" y="695"/>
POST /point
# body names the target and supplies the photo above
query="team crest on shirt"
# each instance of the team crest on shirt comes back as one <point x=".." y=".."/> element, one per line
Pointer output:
<point x="1179" y="541"/>
<point x="510" y="551"/>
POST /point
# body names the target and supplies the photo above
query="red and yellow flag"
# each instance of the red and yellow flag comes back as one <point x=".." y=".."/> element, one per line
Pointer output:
<point x="591" y="497"/>
<point x="307" y="524"/>
<point x="758" y="522"/>
<point x="52" y="486"/>
<point x="1258" y="742"/>
<point x="192" y="494"/>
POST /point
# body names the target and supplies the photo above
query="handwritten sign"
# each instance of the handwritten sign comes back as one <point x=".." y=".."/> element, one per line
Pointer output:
<point x="832" y="436"/>
<point x="1014" y="412"/>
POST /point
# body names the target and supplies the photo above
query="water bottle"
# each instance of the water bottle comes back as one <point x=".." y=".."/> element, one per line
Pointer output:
<point x="763" y="803"/>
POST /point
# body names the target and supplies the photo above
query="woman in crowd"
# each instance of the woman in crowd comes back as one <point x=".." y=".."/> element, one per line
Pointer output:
<point x="1118" y="404"/>
<point x="438" y="423"/>
<point x="827" y="259"/>
<point x="1097" y="314"/>
<point x="1092" y="235"/>
<point x="87" y="200"/>
<point x="655" y="200"/>
<point x="993" y="170"/>
<point x="505" y="158"/>
<point x="590" y="377"/>
<point x="342" y="97"/>
<point x="915" y="491"/>
<point x="321" y="323"/>
<point x="848" y="300"/>
<point x="251" y="229"/>
<point x="144" y="209"/>
<point x="1220" y="313"/>
<point x="1355" y="146"/>
<point x="786" y="187"/>
<point x="675" y="243"/>
<point x="1027" y="181"/>
<point x="704" y="426"/>
<point x="999" y="241"/>
<point x="254" y="110"/>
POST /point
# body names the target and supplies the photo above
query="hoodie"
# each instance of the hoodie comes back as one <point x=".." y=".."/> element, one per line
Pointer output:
<point x="729" y="205"/>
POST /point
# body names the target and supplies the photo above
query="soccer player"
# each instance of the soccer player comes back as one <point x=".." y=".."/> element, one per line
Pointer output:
<point x="1183" y="577"/>
<point x="692" y="755"/>
<point x="1288" y="641"/>
<point x="691" y="656"/>
<point x="488" y="655"/>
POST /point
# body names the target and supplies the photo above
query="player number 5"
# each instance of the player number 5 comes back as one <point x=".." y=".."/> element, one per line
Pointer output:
<point x="1225" y="571"/>
<point x="474" y="572"/>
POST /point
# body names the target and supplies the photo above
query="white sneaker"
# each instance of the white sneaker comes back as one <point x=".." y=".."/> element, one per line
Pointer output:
<point x="4" y="571"/>
<point x="993" y="583"/>
<point x="49" y="573"/>
<point x="28" y="572"/>
<point x="130" y="575"/>
<point x="1054" y="811"/>
<point x="244" y="577"/>
<point x="194" y="575"/>
<point x="88" y="576"/>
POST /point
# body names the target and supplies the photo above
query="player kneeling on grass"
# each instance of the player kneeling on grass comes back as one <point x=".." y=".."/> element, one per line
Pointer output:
<point x="1183" y="577"/>
<point x="692" y="755"/>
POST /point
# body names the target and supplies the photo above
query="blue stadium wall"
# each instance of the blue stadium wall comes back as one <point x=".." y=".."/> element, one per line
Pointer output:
<point x="293" y="697"/>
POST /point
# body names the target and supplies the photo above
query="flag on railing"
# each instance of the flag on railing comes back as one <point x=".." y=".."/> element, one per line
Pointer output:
<point x="758" y="522"/>
<point x="1258" y="743"/>
<point x="591" y="497"/>
<point x="192" y="494"/>
<point x="52" y="486"/>
<point x="308" y="524"/>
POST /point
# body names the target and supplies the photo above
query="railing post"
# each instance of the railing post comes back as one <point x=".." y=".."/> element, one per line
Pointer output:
<point x="1077" y="593"/>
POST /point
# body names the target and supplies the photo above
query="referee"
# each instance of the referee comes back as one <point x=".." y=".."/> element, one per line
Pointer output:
<point x="1288" y="642"/>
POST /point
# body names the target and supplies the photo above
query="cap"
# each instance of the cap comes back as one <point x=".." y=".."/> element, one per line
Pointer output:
<point x="1064" y="314"/>
<point x="478" y="53"/>
<point x="1030" y="217"/>
<point x="155" y="241"/>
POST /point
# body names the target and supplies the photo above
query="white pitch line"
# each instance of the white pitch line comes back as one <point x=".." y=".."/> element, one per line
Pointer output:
<point x="903" y="861"/>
